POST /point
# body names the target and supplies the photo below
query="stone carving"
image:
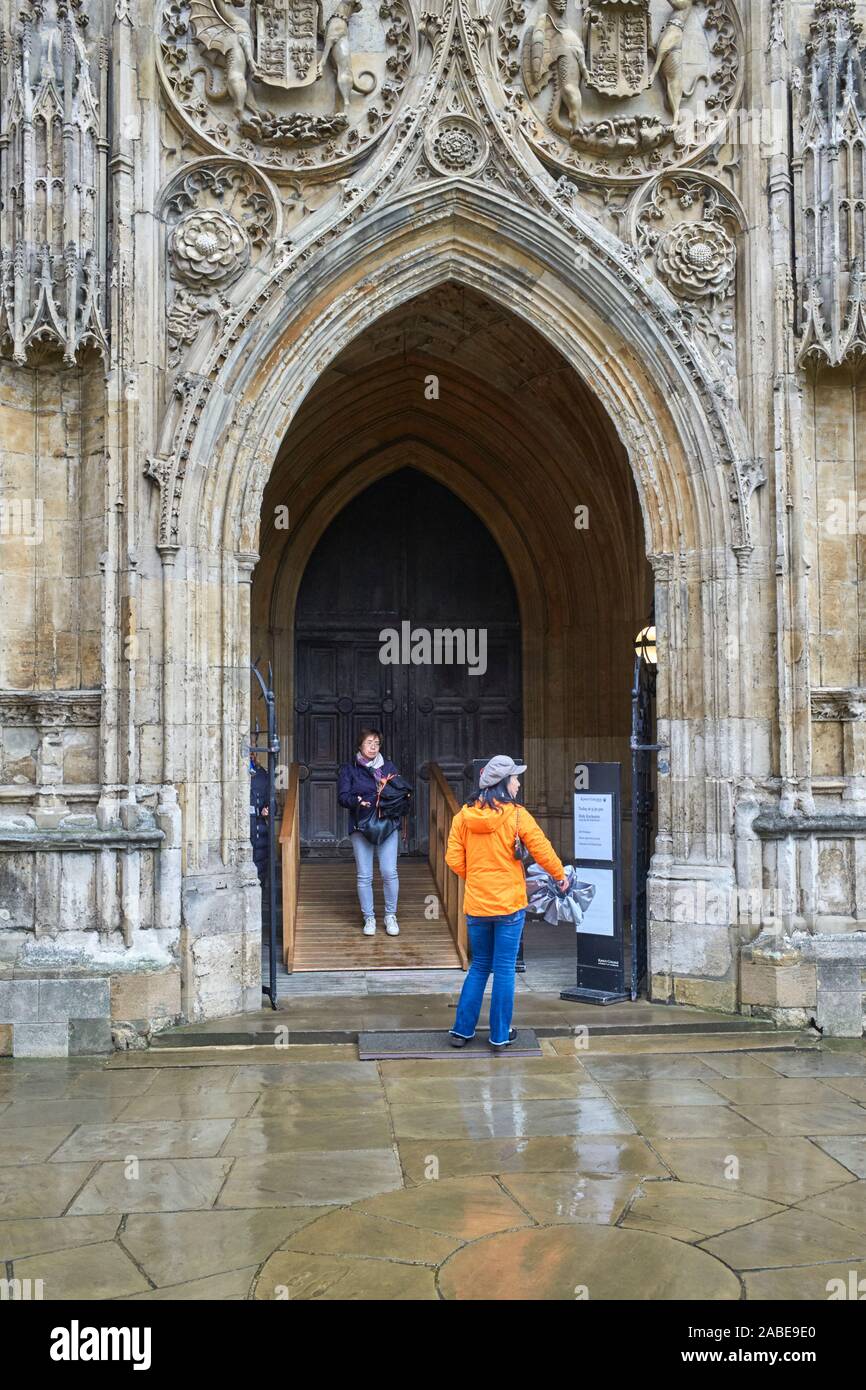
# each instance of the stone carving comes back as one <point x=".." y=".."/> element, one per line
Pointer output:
<point x="838" y="705"/>
<point x="186" y="318"/>
<point x="222" y="218"/>
<point x="50" y="708"/>
<point x="619" y="46"/>
<point x="53" y="112"/>
<point x="696" y="259"/>
<point x="776" y="36"/>
<point x="234" y="188"/>
<point x="337" y="49"/>
<point x="829" y="108"/>
<point x="553" y="52"/>
<point x="685" y="228"/>
<point x="456" y="145"/>
<point x="286" y="83"/>
<point x="208" y="248"/>
<point x="669" y="58"/>
<point x="595" y="94"/>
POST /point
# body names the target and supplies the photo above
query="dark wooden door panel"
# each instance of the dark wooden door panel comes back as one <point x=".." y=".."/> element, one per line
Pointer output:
<point x="414" y="552"/>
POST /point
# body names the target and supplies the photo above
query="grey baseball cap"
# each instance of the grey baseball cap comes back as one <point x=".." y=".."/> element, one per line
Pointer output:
<point x="498" y="769"/>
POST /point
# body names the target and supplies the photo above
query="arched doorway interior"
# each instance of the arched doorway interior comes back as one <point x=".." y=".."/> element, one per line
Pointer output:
<point x="404" y="560"/>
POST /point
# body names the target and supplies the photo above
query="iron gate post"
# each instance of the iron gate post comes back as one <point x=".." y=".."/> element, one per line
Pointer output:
<point x="273" y="749"/>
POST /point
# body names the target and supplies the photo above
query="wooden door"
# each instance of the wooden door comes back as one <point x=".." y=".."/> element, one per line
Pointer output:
<point x="405" y="550"/>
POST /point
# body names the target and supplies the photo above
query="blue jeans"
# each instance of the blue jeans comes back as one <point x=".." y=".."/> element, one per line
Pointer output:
<point x="494" y="942"/>
<point x="387" y="851"/>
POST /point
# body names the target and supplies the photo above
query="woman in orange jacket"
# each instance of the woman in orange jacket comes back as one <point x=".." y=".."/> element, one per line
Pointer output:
<point x="481" y="850"/>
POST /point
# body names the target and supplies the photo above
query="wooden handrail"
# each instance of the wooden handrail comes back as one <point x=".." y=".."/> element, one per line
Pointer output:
<point x="443" y="808"/>
<point x="290" y="855"/>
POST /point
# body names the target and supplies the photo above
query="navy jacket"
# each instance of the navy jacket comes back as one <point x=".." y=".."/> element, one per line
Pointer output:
<point x="258" y="822"/>
<point x="356" y="784"/>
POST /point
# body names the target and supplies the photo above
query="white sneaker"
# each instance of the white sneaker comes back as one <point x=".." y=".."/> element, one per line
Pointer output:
<point x="369" y="926"/>
<point x="391" y="924"/>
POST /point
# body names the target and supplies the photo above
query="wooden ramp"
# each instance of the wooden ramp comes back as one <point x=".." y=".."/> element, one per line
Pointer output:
<point x="328" y="921"/>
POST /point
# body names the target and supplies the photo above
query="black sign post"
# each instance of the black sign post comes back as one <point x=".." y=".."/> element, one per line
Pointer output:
<point x="598" y="860"/>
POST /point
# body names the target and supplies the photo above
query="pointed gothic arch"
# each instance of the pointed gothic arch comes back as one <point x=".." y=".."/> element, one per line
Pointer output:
<point x="664" y="397"/>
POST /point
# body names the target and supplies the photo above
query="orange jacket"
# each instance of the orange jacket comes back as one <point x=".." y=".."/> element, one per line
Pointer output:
<point x="481" y="850"/>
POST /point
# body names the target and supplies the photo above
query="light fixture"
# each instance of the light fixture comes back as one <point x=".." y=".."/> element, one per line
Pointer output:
<point x="645" y="645"/>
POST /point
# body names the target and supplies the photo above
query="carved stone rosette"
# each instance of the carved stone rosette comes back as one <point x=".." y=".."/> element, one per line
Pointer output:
<point x="456" y="145"/>
<point x="696" y="259"/>
<point x="53" y="172"/>
<point x="208" y="249"/>
<point x="292" y="87"/>
<point x="609" y="92"/>
<point x="685" y="227"/>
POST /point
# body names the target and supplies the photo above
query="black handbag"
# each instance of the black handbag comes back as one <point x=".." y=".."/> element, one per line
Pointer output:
<point x="395" y="794"/>
<point x="375" y="827"/>
<point x="382" y="817"/>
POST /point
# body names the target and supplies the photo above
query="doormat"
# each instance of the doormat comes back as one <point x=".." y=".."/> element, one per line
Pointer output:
<point x="374" y="1046"/>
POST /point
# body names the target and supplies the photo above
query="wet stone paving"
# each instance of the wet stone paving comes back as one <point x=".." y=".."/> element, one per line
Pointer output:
<point x="679" y="1167"/>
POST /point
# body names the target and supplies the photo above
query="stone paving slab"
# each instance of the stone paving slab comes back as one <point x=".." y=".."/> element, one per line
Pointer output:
<point x="847" y="1205"/>
<point x="177" y="1247"/>
<point x="41" y="1235"/>
<point x="607" y="1262"/>
<point x="691" y="1211"/>
<point x="88" y="1272"/>
<point x="146" y="1139"/>
<point x="502" y="1119"/>
<point x="613" y="1155"/>
<point x="783" y="1239"/>
<point x="805" y="1283"/>
<point x="782" y="1170"/>
<point x="276" y="1134"/>
<point x="474" y="1090"/>
<point x="233" y="1286"/>
<point x="310" y="1178"/>
<point x="850" y="1150"/>
<point x="179" y="1184"/>
<point x="40" y="1189"/>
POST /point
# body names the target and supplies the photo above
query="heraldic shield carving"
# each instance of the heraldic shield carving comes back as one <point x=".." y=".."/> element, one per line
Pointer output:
<point x="292" y="84"/>
<point x="620" y="89"/>
<point x="287" y="33"/>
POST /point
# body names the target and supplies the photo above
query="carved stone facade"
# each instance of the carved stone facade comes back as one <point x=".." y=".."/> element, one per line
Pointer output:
<point x="628" y="237"/>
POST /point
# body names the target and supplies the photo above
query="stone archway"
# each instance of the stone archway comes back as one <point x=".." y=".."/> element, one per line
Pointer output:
<point x="684" y="445"/>
<point x="513" y="434"/>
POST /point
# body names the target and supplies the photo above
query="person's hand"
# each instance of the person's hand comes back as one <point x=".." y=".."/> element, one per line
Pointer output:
<point x="364" y="803"/>
<point x="264" y="810"/>
<point x="562" y="885"/>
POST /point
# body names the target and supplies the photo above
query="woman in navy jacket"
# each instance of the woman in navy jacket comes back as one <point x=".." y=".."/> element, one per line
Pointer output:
<point x="357" y="787"/>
